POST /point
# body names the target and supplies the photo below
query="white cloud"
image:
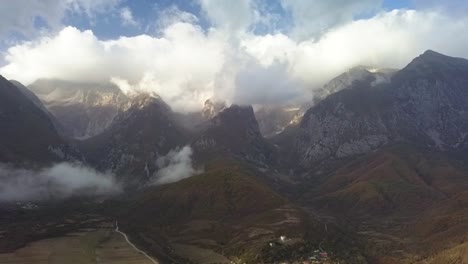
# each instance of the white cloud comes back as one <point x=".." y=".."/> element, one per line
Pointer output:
<point x="126" y="16"/>
<point x="175" y="166"/>
<point x="452" y="7"/>
<point x="180" y="66"/>
<point x="186" y="64"/>
<point x="389" y="39"/>
<point x="231" y="16"/>
<point x="312" y="18"/>
<point x="171" y="15"/>
<point x="266" y="85"/>
<point x="62" y="180"/>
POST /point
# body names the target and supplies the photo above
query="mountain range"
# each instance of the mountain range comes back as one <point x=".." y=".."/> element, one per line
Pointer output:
<point x="374" y="168"/>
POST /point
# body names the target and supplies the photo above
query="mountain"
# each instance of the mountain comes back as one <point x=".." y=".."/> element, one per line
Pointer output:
<point x="426" y="103"/>
<point x="273" y="120"/>
<point x="198" y="120"/>
<point x="83" y="109"/>
<point x="31" y="96"/>
<point x="390" y="158"/>
<point x="396" y="179"/>
<point x="212" y="108"/>
<point x="358" y="73"/>
<point x="134" y="141"/>
<point x="27" y="133"/>
<point x="234" y="132"/>
<point x="214" y="217"/>
<point x="406" y="203"/>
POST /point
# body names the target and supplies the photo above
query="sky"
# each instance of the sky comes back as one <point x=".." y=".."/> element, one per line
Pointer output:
<point x="260" y="52"/>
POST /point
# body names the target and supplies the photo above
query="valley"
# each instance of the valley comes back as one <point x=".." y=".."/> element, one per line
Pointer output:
<point x="101" y="246"/>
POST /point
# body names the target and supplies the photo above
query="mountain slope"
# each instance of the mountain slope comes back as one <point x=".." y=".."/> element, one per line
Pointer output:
<point x="425" y="103"/>
<point x="31" y="96"/>
<point x="406" y="203"/>
<point x="136" y="139"/>
<point x="83" y="109"/>
<point x="395" y="180"/>
<point x="27" y="133"/>
<point x="225" y="211"/>
<point x="234" y="132"/>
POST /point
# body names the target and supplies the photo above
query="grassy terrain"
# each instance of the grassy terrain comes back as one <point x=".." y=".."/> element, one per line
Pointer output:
<point x="224" y="210"/>
<point x="407" y="204"/>
<point x="102" y="246"/>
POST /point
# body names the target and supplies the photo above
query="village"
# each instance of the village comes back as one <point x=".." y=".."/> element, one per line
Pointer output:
<point x="315" y="256"/>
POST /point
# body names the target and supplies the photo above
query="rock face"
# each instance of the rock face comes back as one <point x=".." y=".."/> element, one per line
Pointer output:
<point x="425" y="103"/>
<point x="234" y="131"/>
<point x="212" y="108"/>
<point x="135" y="140"/>
<point x="27" y="133"/>
<point x="359" y="73"/>
<point x="273" y="120"/>
<point x="31" y="96"/>
<point x="83" y="109"/>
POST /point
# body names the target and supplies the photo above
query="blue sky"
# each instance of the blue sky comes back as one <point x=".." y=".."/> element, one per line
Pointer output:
<point x="107" y="25"/>
<point x="146" y="13"/>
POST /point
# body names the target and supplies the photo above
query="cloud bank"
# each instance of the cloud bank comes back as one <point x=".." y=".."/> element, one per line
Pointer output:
<point x="60" y="181"/>
<point x="175" y="166"/>
<point x="186" y="64"/>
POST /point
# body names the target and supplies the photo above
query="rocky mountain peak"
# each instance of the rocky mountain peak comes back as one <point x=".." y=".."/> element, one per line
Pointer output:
<point x="430" y="54"/>
<point x="82" y="109"/>
<point x="363" y="74"/>
<point x="425" y="104"/>
<point x="234" y="131"/>
<point x="146" y="100"/>
<point x="136" y="139"/>
<point x="434" y="63"/>
<point x="237" y="117"/>
<point x="27" y="132"/>
<point x="212" y="108"/>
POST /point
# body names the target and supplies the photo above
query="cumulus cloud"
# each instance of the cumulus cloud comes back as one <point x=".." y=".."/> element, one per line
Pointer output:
<point x="186" y="64"/>
<point x="175" y="166"/>
<point x="390" y="39"/>
<point x="180" y="65"/>
<point x="253" y="81"/>
<point x="59" y="181"/>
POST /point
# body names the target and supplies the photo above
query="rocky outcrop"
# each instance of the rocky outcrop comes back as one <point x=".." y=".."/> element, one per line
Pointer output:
<point x="425" y="103"/>
<point x="136" y="139"/>
<point x="28" y="135"/>
<point x="83" y="109"/>
<point x="234" y="132"/>
<point x="212" y="108"/>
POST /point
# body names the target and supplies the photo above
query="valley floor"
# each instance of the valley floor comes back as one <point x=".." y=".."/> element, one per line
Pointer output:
<point x="93" y="246"/>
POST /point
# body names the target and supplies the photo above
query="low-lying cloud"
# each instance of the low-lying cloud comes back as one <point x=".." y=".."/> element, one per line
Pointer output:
<point x="60" y="181"/>
<point x="175" y="166"/>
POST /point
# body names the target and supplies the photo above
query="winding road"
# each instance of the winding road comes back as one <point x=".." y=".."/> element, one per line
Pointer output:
<point x="131" y="244"/>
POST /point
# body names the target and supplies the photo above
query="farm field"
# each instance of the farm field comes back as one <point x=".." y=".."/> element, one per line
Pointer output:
<point x="93" y="246"/>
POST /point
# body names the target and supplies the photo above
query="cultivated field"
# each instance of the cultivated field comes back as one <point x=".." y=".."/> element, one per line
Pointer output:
<point x="101" y="246"/>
